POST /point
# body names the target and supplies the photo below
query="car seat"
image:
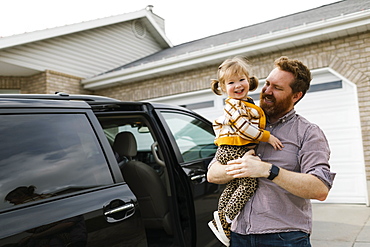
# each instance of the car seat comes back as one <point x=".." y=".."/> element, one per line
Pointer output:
<point x="145" y="183"/>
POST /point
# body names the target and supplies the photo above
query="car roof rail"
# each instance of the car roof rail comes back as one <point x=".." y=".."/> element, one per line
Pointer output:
<point x="61" y="96"/>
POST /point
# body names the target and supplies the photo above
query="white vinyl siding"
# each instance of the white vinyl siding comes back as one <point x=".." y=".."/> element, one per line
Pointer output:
<point x="84" y="54"/>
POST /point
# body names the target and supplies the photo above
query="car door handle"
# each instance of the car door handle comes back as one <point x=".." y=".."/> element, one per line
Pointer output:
<point x="118" y="210"/>
<point x="125" y="207"/>
<point x="196" y="177"/>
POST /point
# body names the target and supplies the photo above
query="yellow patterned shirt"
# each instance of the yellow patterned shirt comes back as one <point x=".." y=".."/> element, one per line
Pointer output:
<point x="242" y="123"/>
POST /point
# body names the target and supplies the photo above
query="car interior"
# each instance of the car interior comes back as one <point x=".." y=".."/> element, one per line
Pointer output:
<point x="139" y="159"/>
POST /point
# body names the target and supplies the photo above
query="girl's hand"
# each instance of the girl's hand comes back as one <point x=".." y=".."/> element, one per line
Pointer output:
<point x="276" y="143"/>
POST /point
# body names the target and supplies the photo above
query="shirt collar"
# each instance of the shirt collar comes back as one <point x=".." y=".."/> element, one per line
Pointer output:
<point x="284" y="118"/>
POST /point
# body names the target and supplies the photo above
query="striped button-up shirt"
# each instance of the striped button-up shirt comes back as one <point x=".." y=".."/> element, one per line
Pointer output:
<point x="273" y="209"/>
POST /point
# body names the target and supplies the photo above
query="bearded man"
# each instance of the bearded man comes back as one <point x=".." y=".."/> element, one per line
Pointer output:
<point x="279" y="213"/>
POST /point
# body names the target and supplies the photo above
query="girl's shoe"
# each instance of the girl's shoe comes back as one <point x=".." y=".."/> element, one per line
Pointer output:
<point x="222" y="234"/>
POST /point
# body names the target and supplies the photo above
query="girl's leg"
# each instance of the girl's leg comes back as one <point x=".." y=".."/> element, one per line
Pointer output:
<point x="243" y="193"/>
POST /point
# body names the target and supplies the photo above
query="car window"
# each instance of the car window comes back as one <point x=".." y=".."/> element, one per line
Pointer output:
<point x="142" y="135"/>
<point x="194" y="137"/>
<point x="139" y="128"/>
<point x="45" y="155"/>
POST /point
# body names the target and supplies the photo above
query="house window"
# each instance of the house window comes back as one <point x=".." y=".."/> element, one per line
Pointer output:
<point x="9" y="91"/>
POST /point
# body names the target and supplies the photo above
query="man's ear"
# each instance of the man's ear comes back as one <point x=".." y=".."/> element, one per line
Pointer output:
<point x="297" y="96"/>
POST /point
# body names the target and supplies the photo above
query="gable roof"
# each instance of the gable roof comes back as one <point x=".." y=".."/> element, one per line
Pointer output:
<point x="21" y="39"/>
<point x="322" y="23"/>
<point x="83" y="49"/>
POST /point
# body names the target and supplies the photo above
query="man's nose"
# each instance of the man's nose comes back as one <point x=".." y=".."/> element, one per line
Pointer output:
<point x="267" y="90"/>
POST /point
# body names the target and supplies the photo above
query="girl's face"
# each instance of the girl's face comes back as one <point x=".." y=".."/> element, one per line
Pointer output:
<point x="237" y="86"/>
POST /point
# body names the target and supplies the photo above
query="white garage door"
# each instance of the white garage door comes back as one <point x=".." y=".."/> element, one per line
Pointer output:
<point x="336" y="112"/>
<point x="332" y="104"/>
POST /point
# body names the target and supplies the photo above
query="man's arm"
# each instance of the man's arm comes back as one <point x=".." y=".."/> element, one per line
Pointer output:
<point x="303" y="185"/>
<point x="217" y="174"/>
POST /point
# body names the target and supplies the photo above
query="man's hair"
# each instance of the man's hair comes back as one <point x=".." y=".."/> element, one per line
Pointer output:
<point x="300" y="72"/>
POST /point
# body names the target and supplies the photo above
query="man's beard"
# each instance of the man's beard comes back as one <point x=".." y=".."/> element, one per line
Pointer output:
<point x="276" y="109"/>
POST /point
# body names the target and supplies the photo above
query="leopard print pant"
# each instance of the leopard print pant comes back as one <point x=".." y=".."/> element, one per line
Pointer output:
<point x="239" y="190"/>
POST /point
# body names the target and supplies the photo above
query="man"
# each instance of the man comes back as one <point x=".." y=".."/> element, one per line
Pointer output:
<point x="279" y="213"/>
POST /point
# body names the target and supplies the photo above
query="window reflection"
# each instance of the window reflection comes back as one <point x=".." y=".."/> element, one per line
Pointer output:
<point x="55" y="153"/>
<point x="194" y="137"/>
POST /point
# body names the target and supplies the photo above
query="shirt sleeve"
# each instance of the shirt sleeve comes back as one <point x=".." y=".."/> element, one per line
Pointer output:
<point x="239" y="117"/>
<point x="314" y="155"/>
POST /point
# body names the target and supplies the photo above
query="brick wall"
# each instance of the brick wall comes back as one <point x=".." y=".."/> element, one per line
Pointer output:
<point x="34" y="84"/>
<point x="59" y="82"/>
<point x="11" y="82"/>
<point x="47" y="82"/>
<point x="162" y="86"/>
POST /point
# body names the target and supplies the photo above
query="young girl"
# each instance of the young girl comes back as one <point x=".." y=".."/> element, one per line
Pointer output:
<point x="238" y="130"/>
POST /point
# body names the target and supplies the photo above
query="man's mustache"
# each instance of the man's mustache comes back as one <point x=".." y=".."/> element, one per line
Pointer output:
<point x="268" y="97"/>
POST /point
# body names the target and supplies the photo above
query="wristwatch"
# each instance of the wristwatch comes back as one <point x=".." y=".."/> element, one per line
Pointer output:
<point x="274" y="171"/>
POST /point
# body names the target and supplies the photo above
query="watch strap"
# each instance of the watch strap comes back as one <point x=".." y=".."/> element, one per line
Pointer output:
<point x="274" y="171"/>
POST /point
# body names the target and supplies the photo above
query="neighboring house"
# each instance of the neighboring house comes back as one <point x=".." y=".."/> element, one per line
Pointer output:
<point x="58" y="59"/>
<point x="128" y="57"/>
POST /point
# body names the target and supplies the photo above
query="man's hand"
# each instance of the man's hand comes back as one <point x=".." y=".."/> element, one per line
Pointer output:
<point x="248" y="166"/>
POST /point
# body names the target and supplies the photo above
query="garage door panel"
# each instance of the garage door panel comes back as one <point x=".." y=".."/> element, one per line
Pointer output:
<point x="342" y="150"/>
<point x="347" y="188"/>
<point x="342" y="145"/>
<point x="208" y="113"/>
<point x="340" y="133"/>
<point x="346" y="168"/>
<point x="333" y="119"/>
<point x="330" y="118"/>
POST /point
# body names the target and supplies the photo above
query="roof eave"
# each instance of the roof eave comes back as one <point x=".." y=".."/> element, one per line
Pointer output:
<point x="20" y="39"/>
<point x="157" y="31"/>
<point x="273" y="41"/>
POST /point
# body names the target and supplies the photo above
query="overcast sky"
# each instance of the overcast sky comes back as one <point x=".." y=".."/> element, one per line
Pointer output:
<point x="184" y="20"/>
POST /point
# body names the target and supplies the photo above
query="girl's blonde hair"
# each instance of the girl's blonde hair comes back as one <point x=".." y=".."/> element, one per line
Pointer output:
<point x="237" y="65"/>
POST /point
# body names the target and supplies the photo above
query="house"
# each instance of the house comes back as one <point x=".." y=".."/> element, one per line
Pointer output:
<point x="58" y="59"/>
<point x="128" y="57"/>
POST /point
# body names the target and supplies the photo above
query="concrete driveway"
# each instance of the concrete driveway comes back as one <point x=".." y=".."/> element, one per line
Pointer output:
<point x="340" y="225"/>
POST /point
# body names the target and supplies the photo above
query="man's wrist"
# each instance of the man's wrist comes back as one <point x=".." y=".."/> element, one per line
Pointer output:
<point x="273" y="172"/>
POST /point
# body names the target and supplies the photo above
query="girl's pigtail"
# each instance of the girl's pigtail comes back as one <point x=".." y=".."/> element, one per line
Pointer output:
<point x="215" y="86"/>
<point x="253" y="83"/>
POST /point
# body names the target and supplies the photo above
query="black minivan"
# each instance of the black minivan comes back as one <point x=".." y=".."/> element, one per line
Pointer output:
<point x="93" y="171"/>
